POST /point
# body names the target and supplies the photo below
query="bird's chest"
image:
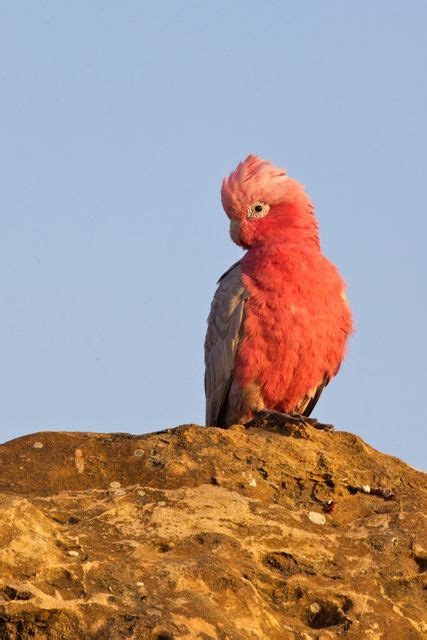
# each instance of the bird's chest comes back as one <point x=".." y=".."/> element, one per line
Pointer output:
<point x="294" y="327"/>
<point x="283" y="298"/>
<point x="291" y="308"/>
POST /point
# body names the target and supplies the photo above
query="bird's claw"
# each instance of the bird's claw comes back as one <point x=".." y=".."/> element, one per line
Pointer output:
<point x="321" y="426"/>
<point x="292" y="425"/>
<point x="293" y="420"/>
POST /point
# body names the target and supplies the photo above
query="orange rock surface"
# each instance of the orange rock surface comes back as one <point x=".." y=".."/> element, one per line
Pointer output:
<point x="202" y="533"/>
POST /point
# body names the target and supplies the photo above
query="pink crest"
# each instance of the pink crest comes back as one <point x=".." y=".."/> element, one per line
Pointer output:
<point x="253" y="180"/>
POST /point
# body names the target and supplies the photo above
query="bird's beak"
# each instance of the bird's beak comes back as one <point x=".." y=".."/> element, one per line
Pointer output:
<point x="235" y="231"/>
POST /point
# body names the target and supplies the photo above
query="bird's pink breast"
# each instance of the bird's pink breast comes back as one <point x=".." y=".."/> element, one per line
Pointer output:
<point x="296" y="324"/>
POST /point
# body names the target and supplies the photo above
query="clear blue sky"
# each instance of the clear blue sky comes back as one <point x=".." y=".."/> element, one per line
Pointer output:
<point x="118" y="121"/>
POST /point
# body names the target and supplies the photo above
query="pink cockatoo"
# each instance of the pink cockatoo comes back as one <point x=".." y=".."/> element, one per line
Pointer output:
<point x="280" y="320"/>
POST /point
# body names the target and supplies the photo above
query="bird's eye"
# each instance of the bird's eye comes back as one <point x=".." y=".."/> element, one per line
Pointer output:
<point x="258" y="210"/>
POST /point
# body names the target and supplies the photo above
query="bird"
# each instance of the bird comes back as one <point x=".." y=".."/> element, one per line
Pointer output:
<point x="280" y="320"/>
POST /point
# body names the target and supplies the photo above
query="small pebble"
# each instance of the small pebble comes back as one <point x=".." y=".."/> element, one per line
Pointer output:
<point x="140" y="584"/>
<point x="141" y="493"/>
<point x="73" y="553"/>
<point x="366" y="488"/>
<point x="317" y="518"/>
<point x="161" y="503"/>
<point x="38" y="445"/>
<point x="138" y="452"/>
<point x="115" y="485"/>
<point x="252" y="482"/>
<point x="315" y="607"/>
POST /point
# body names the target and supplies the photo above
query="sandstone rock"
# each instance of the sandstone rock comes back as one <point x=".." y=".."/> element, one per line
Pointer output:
<point x="206" y="533"/>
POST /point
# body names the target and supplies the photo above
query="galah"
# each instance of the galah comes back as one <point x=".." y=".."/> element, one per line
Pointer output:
<point x="280" y="320"/>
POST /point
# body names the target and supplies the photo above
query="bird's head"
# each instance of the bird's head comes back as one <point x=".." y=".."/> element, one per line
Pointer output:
<point x="265" y="205"/>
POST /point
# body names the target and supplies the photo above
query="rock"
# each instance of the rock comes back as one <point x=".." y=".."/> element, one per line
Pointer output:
<point x="317" y="518"/>
<point x="209" y="534"/>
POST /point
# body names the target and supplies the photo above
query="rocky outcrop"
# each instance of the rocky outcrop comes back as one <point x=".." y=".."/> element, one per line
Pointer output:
<point x="246" y="533"/>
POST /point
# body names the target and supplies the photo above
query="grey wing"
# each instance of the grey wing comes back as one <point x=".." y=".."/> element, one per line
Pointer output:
<point x="307" y="405"/>
<point x="222" y="338"/>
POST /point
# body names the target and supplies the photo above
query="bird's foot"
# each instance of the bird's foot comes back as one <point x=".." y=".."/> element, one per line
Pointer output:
<point x="278" y="416"/>
<point x="289" y="424"/>
<point x="293" y="423"/>
<point x="321" y="426"/>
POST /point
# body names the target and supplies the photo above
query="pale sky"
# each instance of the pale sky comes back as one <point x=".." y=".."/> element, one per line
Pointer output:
<point x="119" y="121"/>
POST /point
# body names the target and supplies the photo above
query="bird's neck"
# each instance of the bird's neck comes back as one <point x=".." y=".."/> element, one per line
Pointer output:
<point x="304" y="241"/>
<point x="281" y="255"/>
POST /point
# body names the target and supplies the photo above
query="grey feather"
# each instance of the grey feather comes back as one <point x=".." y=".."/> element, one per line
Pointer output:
<point x="222" y="339"/>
